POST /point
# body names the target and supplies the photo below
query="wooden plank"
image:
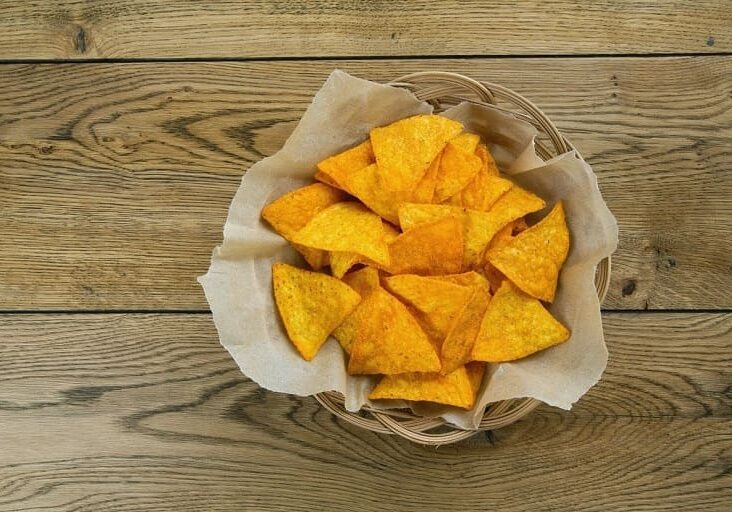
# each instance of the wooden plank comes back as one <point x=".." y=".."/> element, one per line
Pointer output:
<point x="147" y="412"/>
<point x="115" y="179"/>
<point x="141" y="29"/>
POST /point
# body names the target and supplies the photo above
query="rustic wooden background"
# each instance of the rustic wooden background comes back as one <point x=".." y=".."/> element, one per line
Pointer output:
<point x="125" y="127"/>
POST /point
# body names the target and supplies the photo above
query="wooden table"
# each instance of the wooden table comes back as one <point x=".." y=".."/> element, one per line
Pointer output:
<point x="125" y="127"/>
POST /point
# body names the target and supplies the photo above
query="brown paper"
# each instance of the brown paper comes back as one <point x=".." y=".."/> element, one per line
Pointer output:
<point x="238" y="284"/>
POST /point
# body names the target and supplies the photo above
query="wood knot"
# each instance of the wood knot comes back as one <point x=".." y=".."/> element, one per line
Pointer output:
<point x="81" y="41"/>
<point x="628" y="288"/>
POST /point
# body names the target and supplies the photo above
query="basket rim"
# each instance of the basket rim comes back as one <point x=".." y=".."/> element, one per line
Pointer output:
<point x="431" y="86"/>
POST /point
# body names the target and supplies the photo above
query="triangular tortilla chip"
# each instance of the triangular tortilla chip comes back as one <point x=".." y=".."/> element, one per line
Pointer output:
<point x="489" y="165"/>
<point x="366" y="185"/>
<point x="482" y="192"/>
<point x="456" y="388"/>
<point x="324" y="178"/>
<point x="364" y="280"/>
<point x="478" y="227"/>
<point x="405" y="149"/>
<point x="388" y="339"/>
<point x="433" y="248"/>
<point x="424" y="192"/>
<point x="342" y="261"/>
<point x="458" y="344"/>
<point x="515" y="203"/>
<point x="439" y="302"/>
<point x="515" y="325"/>
<point x="467" y="142"/>
<point x="339" y="167"/>
<point x="346" y="226"/>
<point x="457" y="169"/>
<point x="289" y="213"/>
<point x="465" y="279"/>
<point x="311" y="305"/>
<point x="533" y="258"/>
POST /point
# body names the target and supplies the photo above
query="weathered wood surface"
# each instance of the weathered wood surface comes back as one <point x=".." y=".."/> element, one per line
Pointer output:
<point x="147" y="412"/>
<point x="115" y="178"/>
<point x="73" y="29"/>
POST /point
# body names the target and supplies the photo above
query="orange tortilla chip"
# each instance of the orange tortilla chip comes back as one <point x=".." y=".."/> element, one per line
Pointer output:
<point x="339" y="167"/>
<point x="388" y="339"/>
<point x="478" y="227"/>
<point x="342" y="261"/>
<point x="311" y="305"/>
<point x="364" y="281"/>
<point x="366" y="185"/>
<point x="515" y="325"/>
<point x="456" y="388"/>
<point x="467" y="142"/>
<point x="439" y="302"/>
<point x="431" y="248"/>
<point x="405" y="149"/>
<point x="324" y="178"/>
<point x="465" y="279"/>
<point x="458" y="344"/>
<point x="346" y="226"/>
<point x="515" y="203"/>
<point x="482" y="192"/>
<point x="489" y="165"/>
<point x="424" y="192"/>
<point x="532" y="260"/>
<point x="457" y="169"/>
<point x="289" y="213"/>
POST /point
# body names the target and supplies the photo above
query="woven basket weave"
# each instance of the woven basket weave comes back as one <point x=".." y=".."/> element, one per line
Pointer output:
<point x="444" y="90"/>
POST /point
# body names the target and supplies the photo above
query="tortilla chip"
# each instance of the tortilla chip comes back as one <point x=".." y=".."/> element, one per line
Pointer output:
<point x="346" y="226"/>
<point x="457" y="169"/>
<point x="489" y="165"/>
<point x="311" y="305"/>
<point x="458" y="344"/>
<point x="478" y="227"/>
<point x="476" y="371"/>
<point x="482" y="192"/>
<point x="432" y="248"/>
<point x="515" y="325"/>
<point x="340" y="166"/>
<point x="439" y="302"/>
<point x="289" y="213"/>
<point x="456" y="388"/>
<point x="342" y="261"/>
<point x="532" y="260"/>
<point x="514" y="204"/>
<point x="324" y="178"/>
<point x="424" y="192"/>
<point x="465" y="279"/>
<point x="405" y="149"/>
<point x="467" y="142"/>
<point x="364" y="281"/>
<point x="388" y="339"/>
<point x="366" y="185"/>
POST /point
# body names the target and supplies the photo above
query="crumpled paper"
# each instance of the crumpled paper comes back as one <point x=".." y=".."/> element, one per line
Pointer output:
<point x="238" y="284"/>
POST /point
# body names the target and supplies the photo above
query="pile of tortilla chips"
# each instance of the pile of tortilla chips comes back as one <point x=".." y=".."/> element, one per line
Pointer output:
<point x="434" y="270"/>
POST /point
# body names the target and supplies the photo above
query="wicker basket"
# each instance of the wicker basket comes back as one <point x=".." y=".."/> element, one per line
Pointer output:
<point x="443" y="90"/>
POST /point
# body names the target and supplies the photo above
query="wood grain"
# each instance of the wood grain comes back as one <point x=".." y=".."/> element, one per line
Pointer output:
<point x="147" y="412"/>
<point x="71" y="29"/>
<point x="115" y="179"/>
